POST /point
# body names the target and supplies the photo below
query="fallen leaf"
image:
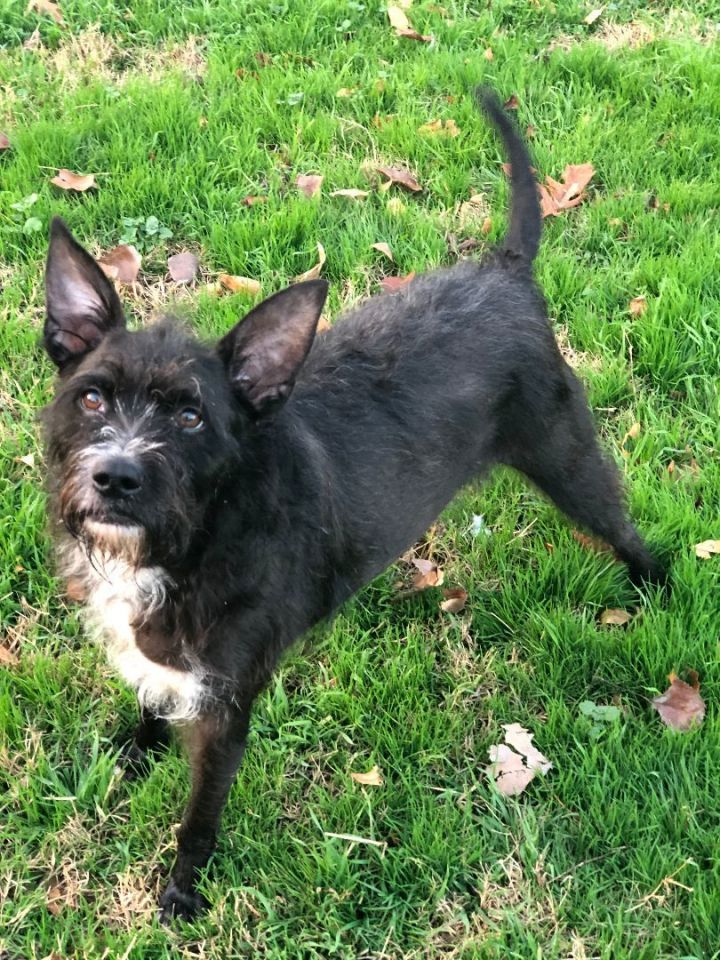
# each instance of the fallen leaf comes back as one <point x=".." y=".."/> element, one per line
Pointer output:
<point x="46" y="6"/>
<point x="384" y="249"/>
<point x="4" y="142"/>
<point x="393" y="284"/>
<point x="183" y="267"/>
<point x="352" y="193"/>
<point x="414" y="35"/>
<point x="346" y="92"/>
<point x="707" y="548"/>
<point x="486" y="226"/>
<point x="614" y="618"/>
<point x="632" y="434"/>
<point x="251" y="201"/>
<point x="512" y="771"/>
<point x="55" y="900"/>
<point x="512" y="102"/>
<point x="246" y="285"/>
<point x="556" y="196"/>
<point x="373" y="778"/>
<point x="429" y="574"/>
<point x="314" y="272"/>
<point x="488" y="54"/>
<point x="595" y="544"/>
<point x="681" y="706"/>
<point x="7" y="657"/>
<point x="593" y="16"/>
<point x="309" y="183"/>
<point x="455" y="600"/>
<point x="122" y="263"/>
<point x="638" y="306"/>
<point x="28" y="459"/>
<point x="67" y="180"/>
<point x="473" y="211"/>
<point x="436" y="129"/>
<point x="401" y="176"/>
<point x="397" y="18"/>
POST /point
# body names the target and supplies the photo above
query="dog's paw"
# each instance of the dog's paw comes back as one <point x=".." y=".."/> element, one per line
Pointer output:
<point x="178" y="904"/>
<point x="134" y="762"/>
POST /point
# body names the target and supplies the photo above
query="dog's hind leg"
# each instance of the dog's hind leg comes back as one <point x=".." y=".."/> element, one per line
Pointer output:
<point x="151" y="734"/>
<point x="555" y="445"/>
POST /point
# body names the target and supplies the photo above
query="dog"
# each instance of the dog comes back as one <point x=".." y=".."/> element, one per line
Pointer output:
<point x="214" y="501"/>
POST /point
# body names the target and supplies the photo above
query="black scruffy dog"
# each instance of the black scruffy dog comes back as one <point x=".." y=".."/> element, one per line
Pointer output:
<point x="215" y="501"/>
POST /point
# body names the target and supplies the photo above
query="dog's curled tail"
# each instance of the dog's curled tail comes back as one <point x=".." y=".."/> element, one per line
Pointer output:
<point x="523" y="236"/>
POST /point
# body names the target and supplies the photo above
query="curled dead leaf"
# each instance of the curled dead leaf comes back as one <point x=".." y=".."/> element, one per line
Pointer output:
<point x="4" y="141"/>
<point x="393" y="284"/>
<point x="428" y="574"/>
<point x="455" y="600"/>
<point x="122" y="263"/>
<point x="251" y="201"/>
<point x="7" y="657"/>
<point x="79" y="182"/>
<point x="373" y="778"/>
<point x="557" y="196"/>
<point x="681" y="707"/>
<point x="384" y="249"/>
<point x="511" y="771"/>
<point x="613" y="617"/>
<point x="314" y="272"/>
<point x="638" y="306"/>
<point x="352" y="193"/>
<point x="244" y="285"/>
<point x="183" y="267"/>
<point x="27" y="458"/>
<point x="309" y="183"/>
<point x="707" y="549"/>
<point x="414" y="35"/>
<point x="46" y="6"/>
<point x="401" y="176"/>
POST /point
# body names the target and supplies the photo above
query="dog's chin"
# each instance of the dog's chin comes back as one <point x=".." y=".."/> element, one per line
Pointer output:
<point x="114" y="539"/>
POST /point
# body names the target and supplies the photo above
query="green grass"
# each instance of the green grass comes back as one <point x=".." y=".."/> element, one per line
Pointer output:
<point x="573" y="868"/>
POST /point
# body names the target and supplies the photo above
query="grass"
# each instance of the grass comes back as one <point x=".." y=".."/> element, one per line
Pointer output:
<point x="615" y="853"/>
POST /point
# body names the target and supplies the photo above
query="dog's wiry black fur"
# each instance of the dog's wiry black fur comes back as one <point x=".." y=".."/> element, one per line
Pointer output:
<point x="208" y="549"/>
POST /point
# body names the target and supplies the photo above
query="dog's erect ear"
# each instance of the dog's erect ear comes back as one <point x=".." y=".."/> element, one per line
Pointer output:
<point x="80" y="301"/>
<point x="264" y="352"/>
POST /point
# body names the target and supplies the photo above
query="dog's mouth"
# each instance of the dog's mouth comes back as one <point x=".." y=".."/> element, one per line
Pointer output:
<point x="114" y="535"/>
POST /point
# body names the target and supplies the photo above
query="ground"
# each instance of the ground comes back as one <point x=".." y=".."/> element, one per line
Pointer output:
<point x="182" y="111"/>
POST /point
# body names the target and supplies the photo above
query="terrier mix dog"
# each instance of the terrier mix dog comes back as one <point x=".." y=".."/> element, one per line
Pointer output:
<point x="216" y="501"/>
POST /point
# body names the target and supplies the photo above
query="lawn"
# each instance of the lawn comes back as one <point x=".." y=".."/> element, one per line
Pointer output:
<point x="184" y="110"/>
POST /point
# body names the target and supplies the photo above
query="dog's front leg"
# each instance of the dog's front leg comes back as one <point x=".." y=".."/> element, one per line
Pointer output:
<point x="216" y="743"/>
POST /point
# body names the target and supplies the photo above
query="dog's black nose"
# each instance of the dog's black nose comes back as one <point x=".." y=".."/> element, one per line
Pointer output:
<point x="117" y="477"/>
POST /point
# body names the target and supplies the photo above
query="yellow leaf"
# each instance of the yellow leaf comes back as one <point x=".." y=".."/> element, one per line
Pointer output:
<point x="384" y="249"/>
<point x="314" y="272"/>
<point x="373" y="778"/>
<point x="615" y="618"/>
<point x="246" y="285"/>
<point x="707" y="548"/>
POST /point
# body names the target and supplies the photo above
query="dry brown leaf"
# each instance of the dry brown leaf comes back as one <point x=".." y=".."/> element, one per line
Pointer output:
<point x="251" y="201"/>
<point x="428" y="574"/>
<point x="593" y="16"/>
<point x="55" y="900"/>
<point x="314" y="272"/>
<point x="309" y="183"/>
<point x="455" y="600"/>
<point x="681" y="706"/>
<point x="638" y="306"/>
<point x="488" y="54"/>
<point x="557" y="196"/>
<point x="122" y="263"/>
<point x="373" y="778"/>
<point x="512" y="771"/>
<point x="46" y="6"/>
<point x="183" y="267"/>
<point x="512" y="102"/>
<point x="707" y="548"/>
<point x="595" y="544"/>
<point x="473" y="211"/>
<point x="393" y="284"/>
<point x="79" y="182"/>
<point x="384" y="249"/>
<point x="28" y="459"/>
<point x="401" y="176"/>
<point x="245" y="285"/>
<point x="613" y="617"/>
<point x="414" y="35"/>
<point x="344" y="92"/>
<point x="7" y="657"/>
<point x="4" y="141"/>
<point x="352" y="193"/>
<point x="439" y="128"/>
<point x="486" y="226"/>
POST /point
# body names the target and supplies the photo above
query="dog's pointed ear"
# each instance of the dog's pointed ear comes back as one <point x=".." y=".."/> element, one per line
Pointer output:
<point x="81" y="303"/>
<point x="264" y="352"/>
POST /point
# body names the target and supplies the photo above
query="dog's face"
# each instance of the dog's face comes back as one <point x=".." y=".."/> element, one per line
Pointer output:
<point x="145" y="425"/>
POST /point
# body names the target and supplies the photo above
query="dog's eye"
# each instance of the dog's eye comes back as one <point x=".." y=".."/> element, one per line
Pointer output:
<point x="92" y="400"/>
<point x="189" y="419"/>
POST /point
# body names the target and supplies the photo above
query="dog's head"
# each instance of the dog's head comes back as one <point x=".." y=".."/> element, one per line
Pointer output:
<point x="145" y="425"/>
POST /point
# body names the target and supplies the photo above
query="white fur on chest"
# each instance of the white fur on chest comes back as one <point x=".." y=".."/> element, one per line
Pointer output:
<point x="119" y="595"/>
